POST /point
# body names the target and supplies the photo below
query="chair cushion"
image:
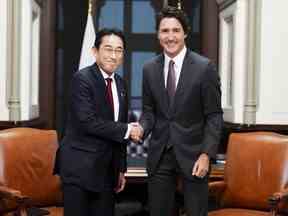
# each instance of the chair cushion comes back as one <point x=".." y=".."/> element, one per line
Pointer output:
<point x="237" y="212"/>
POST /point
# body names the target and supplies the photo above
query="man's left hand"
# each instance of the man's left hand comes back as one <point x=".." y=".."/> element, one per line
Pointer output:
<point x="121" y="183"/>
<point x="201" y="166"/>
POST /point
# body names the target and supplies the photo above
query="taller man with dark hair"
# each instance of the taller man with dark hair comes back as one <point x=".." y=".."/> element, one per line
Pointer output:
<point x="182" y="109"/>
<point x="91" y="159"/>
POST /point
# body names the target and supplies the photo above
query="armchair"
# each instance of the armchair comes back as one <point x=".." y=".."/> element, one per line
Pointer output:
<point x="255" y="177"/>
<point x="26" y="165"/>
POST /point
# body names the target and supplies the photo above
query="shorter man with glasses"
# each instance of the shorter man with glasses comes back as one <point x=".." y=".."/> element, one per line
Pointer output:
<point x="91" y="159"/>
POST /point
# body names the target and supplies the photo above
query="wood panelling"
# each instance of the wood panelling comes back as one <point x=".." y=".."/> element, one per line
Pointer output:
<point x="209" y="31"/>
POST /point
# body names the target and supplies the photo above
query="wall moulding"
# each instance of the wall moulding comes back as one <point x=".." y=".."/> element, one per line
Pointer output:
<point x="225" y="3"/>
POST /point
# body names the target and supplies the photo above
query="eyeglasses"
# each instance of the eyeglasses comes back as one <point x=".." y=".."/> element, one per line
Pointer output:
<point x="109" y="50"/>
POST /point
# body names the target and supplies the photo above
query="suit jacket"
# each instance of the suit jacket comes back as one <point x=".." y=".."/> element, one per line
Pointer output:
<point x="193" y="122"/>
<point x="93" y="150"/>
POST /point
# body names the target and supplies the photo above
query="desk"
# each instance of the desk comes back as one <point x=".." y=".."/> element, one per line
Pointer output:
<point x="217" y="172"/>
<point x="139" y="174"/>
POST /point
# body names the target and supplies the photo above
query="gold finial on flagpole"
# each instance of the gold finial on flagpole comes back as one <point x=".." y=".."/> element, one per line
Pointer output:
<point x="179" y="5"/>
<point x="90" y="6"/>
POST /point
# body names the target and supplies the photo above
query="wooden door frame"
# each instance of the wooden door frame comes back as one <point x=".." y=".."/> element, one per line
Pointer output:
<point x="209" y="29"/>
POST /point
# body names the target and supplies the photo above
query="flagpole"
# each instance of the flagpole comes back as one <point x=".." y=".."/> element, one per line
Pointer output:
<point x="90" y="7"/>
<point x="86" y="57"/>
<point x="179" y="5"/>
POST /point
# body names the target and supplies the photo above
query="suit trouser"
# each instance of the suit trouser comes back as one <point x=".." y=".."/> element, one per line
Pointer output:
<point x="162" y="186"/>
<point x="79" y="202"/>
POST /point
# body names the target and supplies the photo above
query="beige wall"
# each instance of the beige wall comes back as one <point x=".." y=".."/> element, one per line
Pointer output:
<point x="3" y="61"/>
<point x="259" y="68"/>
<point x="273" y="80"/>
<point x="19" y="62"/>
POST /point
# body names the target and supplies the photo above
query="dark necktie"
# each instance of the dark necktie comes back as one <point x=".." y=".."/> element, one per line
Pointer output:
<point x="109" y="95"/>
<point x="171" y="81"/>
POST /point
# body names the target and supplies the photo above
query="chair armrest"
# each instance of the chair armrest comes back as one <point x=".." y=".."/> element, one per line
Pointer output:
<point x="15" y="196"/>
<point x="278" y="198"/>
<point x="8" y="193"/>
<point x="216" y="188"/>
<point x="20" y="202"/>
<point x="283" y="196"/>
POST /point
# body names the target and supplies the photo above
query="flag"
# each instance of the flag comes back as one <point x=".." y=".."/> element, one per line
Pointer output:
<point x="86" y="57"/>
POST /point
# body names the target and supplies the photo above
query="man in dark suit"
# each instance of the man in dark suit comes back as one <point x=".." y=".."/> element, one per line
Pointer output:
<point x="182" y="108"/>
<point x="91" y="159"/>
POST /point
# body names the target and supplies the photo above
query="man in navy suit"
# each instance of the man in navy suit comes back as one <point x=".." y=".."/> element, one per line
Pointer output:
<point x="182" y="109"/>
<point x="91" y="159"/>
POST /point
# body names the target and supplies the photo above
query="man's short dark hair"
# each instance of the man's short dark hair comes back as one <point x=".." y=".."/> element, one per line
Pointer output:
<point x="173" y="12"/>
<point x="108" y="31"/>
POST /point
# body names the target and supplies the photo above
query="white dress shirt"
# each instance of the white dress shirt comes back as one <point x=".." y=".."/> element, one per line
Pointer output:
<point x="178" y="60"/>
<point x="115" y="100"/>
<point x="114" y="93"/>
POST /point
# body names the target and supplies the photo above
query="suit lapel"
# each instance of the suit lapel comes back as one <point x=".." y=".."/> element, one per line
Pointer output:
<point x="121" y="96"/>
<point x="159" y="70"/>
<point x="184" y="80"/>
<point x="101" y="87"/>
<point x="96" y="73"/>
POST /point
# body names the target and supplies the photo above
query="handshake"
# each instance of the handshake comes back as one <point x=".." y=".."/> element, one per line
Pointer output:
<point x="136" y="132"/>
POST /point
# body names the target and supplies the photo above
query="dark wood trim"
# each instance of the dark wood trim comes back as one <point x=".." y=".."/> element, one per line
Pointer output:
<point x="7" y="124"/>
<point x="226" y="4"/>
<point x="128" y="52"/>
<point x="47" y="65"/>
<point x="209" y="29"/>
<point x="35" y="123"/>
<point x="282" y="129"/>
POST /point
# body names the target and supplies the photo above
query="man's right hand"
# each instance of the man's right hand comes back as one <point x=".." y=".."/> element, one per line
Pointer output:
<point x="136" y="132"/>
